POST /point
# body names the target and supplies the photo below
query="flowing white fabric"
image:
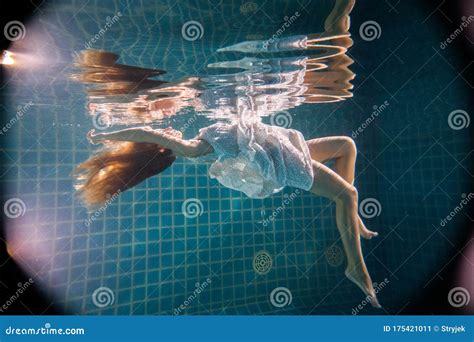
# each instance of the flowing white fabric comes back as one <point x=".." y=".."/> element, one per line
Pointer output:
<point x="257" y="159"/>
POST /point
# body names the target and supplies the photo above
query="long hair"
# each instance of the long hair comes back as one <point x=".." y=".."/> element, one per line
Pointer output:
<point x="117" y="167"/>
<point x="110" y="78"/>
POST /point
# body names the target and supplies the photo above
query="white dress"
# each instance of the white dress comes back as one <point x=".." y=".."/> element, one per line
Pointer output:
<point x="257" y="159"/>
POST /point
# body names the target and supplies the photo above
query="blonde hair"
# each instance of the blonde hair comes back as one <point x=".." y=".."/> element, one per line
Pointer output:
<point x="117" y="167"/>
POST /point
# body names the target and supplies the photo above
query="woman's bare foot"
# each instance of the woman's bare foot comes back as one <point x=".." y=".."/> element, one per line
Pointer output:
<point x="362" y="280"/>
<point x="338" y="20"/>
<point x="364" y="232"/>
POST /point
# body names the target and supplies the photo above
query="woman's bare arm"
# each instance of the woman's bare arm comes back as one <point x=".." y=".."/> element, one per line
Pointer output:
<point x="165" y="138"/>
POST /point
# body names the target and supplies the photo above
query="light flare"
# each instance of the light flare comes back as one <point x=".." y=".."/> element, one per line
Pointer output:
<point x="7" y="58"/>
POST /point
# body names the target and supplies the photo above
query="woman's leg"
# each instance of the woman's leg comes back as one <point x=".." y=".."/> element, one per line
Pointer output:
<point x="341" y="149"/>
<point x="344" y="152"/>
<point x="329" y="184"/>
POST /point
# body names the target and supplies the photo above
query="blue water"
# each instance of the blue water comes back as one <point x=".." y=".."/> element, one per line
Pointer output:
<point x="150" y="256"/>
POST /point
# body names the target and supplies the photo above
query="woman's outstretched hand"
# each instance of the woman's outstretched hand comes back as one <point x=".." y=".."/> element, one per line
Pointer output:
<point x="94" y="138"/>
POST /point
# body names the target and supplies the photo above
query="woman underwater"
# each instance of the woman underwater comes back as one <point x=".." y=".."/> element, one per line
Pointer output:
<point x="247" y="155"/>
